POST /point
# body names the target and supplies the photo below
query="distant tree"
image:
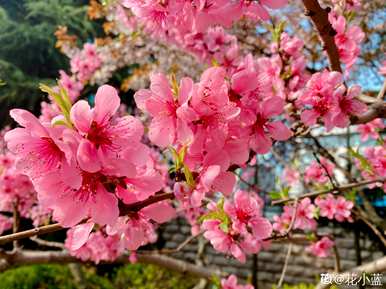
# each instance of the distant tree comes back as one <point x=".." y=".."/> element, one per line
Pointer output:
<point x="27" y="52"/>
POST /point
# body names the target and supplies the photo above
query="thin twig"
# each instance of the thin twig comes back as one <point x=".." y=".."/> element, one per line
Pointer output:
<point x="336" y="190"/>
<point x="16" y="222"/>
<point x="330" y="178"/>
<point x="337" y="259"/>
<point x="289" y="251"/>
<point x="180" y="246"/>
<point x="373" y="228"/>
<point x="291" y="225"/>
<point x="46" y="243"/>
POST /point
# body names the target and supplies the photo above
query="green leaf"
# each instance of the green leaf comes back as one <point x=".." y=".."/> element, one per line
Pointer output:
<point x="176" y="158"/>
<point x="224" y="226"/>
<point x="351" y="195"/>
<point x="311" y="236"/>
<point x="274" y="195"/>
<point x="189" y="177"/>
<point x="182" y="153"/>
<point x="380" y="141"/>
<point x="365" y="164"/>
<point x="277" y="31"/>
<point x="216" y="282"/>
<point x="218" y="214"/>
<point x="316" y="213"/>
<point x="61" y="99"/>
<point x="215" y="62"/>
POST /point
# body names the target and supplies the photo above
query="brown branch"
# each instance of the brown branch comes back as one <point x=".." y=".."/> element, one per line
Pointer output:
<point x="61" y="257"/>
<point x="373" y="228"/>
<point x="16" y="222"/>
<point x="333" y="190"/>
<point x="319" y="17"/>
<point x="337" y="259"/>
<point x="29" y="233"/>
<point x="376" y="110"/>
<point x="123" y="210"/>
<point x="135" y="207"/>
<point x="375" y="266"/>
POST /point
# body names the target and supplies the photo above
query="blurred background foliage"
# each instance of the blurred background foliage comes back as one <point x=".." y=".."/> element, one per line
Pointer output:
<point x="134" y="276"/>
<point x="27" y="52"/>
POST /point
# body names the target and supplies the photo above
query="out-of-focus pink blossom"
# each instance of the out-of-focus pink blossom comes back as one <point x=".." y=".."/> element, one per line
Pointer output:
<point x="321" y="248"/>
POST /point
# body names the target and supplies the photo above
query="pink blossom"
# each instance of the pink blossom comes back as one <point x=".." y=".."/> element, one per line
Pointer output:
<point x="343" y="209"/>
<point x="347" y="39"/>
<point x="370" y="129"/>
<point x="322" y="248"/>
<point x="347" y="105"/>
<point x="334" y="208"/>
<point x="241" y="230"/>
<point x="72" y="86"/>
<point x="304" y="218"/>
<point x="105" y="137"/>
<point x="37" y="147"/>
<point x="318" y="173"/>
<point x="169" y="109"/>
<point x="327" y="206"/>
<point x="231" y="283"/>
<point x="96" y="247"/>
<point x="85" y="62"/>
<point x="382" y="69"/>
<point x="256" y="10"/>
<point x="290" y="176"/>
<point x="319" y="96"/>
<point x="264" y="129"/>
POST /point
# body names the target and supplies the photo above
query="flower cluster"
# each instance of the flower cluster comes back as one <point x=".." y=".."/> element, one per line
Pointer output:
<point x="304" y="214"/>
<point x="85" y="62"/>
<point x="371" y="129"/>
<point x="86" y="161"/>
<point x="373" y="164"/>
<point x="237" y="227"/>
<point x="17" y="192"/>
<point x="178" y="17"/>
<point x="326" y="98"/>
<point x="196" y="26"/>
<point x="338" y="208"/>
<point x="347" y="39"/>
<point x="319" y="173"/>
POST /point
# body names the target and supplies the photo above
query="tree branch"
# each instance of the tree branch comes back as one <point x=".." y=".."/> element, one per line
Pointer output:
<point x="61" y="257"/>
<point x="376" y="110"/>
<point x="333" y="190"/>
<point x="123" y="209"/>
<point x="319" y="17"/>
